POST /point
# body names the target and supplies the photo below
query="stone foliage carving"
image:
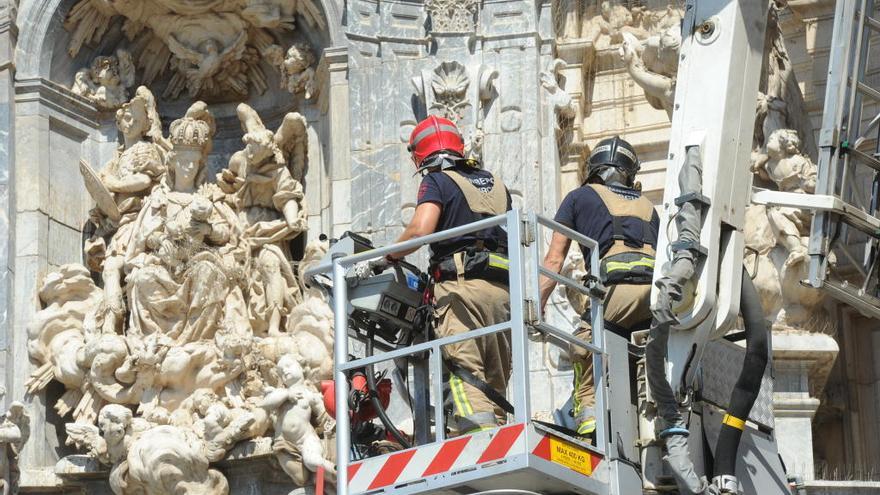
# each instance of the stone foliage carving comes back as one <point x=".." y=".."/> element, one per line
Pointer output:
<point x="107" y="80"/>
<point x="14" y="433"/>
<point x="452" y="16"/>
<point x="653" y="65"/>
<point x="208" y="49"/>
<point x="202" y="311"/>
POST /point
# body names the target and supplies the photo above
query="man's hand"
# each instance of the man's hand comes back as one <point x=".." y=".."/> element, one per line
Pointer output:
<point x="366" y="269"/>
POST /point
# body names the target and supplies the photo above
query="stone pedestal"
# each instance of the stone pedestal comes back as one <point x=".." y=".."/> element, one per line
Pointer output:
<point x="250" y="468"/>
<point x="802" y="363"/>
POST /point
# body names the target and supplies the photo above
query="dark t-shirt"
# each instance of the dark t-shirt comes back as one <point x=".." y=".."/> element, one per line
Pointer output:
<point x="584" y="211"/>
<point x="436" y="187"/>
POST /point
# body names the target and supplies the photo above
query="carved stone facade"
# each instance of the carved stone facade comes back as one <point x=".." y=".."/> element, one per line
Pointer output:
<point x="151" y="280"/>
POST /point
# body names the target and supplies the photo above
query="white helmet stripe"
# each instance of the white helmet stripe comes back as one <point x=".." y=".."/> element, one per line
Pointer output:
<point x="431" y="130"/>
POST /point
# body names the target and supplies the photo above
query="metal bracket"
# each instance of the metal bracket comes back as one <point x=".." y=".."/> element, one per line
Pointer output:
<point x="693" y="197"/>
<point x="595" y="286"/>
<point x="528" y="232"/>
<point x="530" y="311"/>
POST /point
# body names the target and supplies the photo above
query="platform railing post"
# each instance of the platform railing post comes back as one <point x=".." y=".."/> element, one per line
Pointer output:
<point x="518" y="333"/>
<point x="597" y="322"/>
<point x="340" y="353"/>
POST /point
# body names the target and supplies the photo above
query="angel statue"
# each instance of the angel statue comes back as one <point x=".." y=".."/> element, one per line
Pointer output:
<point x="297" y="406"/>
<point x="14" y="433"/>
<point x="269" y="200"/>
<point x="106" y="81"/>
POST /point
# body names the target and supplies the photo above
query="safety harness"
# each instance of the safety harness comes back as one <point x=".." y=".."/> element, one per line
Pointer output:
<point x="484" y="259"/>
<point x="630" y="259"/>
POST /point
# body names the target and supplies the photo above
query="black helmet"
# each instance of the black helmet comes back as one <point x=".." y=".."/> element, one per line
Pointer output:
<point x="613" y="152"/>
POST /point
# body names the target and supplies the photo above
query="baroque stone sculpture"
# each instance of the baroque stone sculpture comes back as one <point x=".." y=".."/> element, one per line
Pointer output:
<point x="14" y="433"/>
<point x="107" y="80"/>
<point x="210" y="49"/>
<point x="202" y="312"/>
<point x="653" y="65"/>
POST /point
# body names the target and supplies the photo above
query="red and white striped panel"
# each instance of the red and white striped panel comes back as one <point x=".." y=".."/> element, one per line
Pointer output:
<point x="457" y="453"/>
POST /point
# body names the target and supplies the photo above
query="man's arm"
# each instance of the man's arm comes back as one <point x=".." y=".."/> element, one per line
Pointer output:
<point x="423" y="222"/>
<point x="553" y="261"/>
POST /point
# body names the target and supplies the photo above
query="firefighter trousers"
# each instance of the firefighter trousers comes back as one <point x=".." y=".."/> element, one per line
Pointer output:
<point x="469" y="304"/>
<point x="626" y="306"/>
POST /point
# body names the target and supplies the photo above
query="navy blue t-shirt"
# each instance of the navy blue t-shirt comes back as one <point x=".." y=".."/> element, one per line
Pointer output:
<point x="584" y="211"/>
<point x="436" y="187"/>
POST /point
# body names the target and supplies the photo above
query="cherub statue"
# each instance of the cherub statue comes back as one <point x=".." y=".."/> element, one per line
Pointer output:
<point x="14" y="433"/>
<point x="654" y="65"/>
<point x="159" y="460"/>
<point x="297" y="407"/>
<point x="268" y="198"/>
<point x="107" y="80"/>
<point x="219" y="426"/>
<point x="791" y="171"/>
<point x="297" y="73"/>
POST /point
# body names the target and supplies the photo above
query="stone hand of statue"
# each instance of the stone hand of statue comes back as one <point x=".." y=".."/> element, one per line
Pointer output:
<point x="228" y="181"/>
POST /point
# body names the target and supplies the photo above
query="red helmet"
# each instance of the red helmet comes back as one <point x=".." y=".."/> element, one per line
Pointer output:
<point x="434" y="134"/>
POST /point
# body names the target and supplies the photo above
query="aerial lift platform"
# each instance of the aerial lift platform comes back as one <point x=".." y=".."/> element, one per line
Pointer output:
<point x="711" y="134"/>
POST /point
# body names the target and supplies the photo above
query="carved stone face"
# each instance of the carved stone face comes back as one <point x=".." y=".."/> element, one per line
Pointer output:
<point x="289" y="370"/>
<point x="131" y="119"/>
<point x="105" y="71"/>
<point x="113" y="421"/>
<point x="186" y="162"/>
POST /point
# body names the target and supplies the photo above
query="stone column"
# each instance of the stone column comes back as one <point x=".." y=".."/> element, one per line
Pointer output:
<point x="8" y="35"/>
<point x="802" y="363"/>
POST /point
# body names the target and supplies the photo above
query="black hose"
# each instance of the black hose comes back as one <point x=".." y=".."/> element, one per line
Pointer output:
<point x="372" y="389"/>
<point x="749" y="382"/>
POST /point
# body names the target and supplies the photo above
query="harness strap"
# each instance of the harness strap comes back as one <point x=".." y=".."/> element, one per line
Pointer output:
<point x="492" y="202"/>
<point x="480" y="385"/>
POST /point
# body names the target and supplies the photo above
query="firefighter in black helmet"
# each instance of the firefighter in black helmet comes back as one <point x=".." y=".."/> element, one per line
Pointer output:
<point x="610" y="209"/>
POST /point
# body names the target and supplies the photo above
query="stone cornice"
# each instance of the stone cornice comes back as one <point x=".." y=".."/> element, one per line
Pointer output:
<point x="57" y="98"/>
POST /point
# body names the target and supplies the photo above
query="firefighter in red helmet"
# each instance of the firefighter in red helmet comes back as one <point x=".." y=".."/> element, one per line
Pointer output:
<point x="470" y="271"/>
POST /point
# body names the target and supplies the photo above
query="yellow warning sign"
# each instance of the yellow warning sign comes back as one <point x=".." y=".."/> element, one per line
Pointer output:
<point x="570" y="456"/>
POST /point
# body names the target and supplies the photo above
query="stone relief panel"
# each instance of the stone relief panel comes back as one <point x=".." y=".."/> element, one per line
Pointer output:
<point x="202" y="333"/>
<point x="452" y="16"/>
<point x="209" y="49"/>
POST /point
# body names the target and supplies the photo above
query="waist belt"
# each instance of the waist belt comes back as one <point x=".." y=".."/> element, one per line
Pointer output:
<point x="485" y="265"/>
<point x="627" y="268"/>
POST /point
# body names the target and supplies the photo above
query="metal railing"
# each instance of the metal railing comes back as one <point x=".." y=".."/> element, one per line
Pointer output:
<point x="525" y="271"/>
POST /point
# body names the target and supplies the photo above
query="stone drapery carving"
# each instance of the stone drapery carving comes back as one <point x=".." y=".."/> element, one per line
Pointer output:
<point x="107" y="80"/>
<point x="207" y="49"/>
<point x="653" y="65"/>
<point x="452" y="16"/>
<point x="14" y="433"/>
<point x="166" y="366"/>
